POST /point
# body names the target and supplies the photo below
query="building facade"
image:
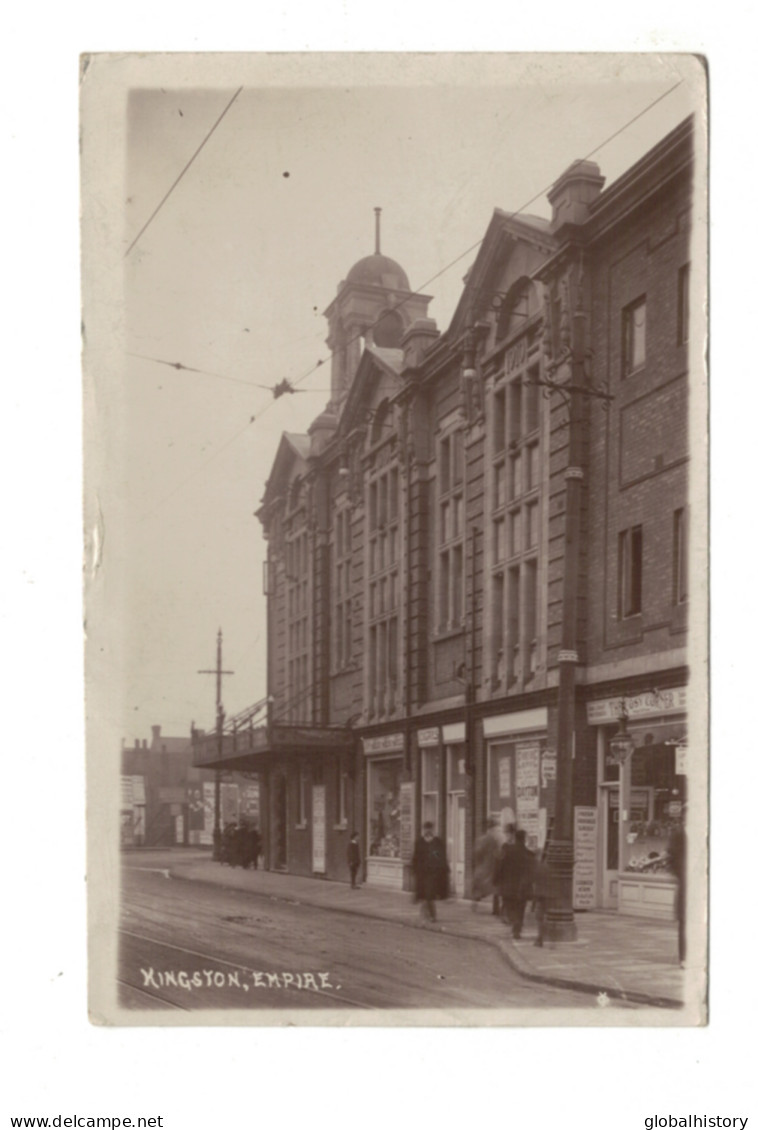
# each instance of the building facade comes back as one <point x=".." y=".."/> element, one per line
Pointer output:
<point x="478" y="556"/>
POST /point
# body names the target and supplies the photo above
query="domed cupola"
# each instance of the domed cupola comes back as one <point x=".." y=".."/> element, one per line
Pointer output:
<point x="374" y="306"/>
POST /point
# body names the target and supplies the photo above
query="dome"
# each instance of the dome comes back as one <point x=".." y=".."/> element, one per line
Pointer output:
<point x="379" y="270"/>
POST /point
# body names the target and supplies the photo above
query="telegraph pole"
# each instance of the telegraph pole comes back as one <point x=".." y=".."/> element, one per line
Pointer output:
<point x="218" y="672"/>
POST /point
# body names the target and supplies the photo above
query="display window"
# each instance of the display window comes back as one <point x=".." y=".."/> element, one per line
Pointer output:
<point x="654" y="769"/>
<point x="384" y="777"/>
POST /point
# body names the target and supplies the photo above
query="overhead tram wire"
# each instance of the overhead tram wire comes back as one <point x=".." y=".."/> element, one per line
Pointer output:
<point x="452" y="263"/>
<point x="207" y="137"/>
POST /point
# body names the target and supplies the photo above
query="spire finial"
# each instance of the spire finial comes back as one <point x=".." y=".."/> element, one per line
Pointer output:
<point x="378" y="213"/>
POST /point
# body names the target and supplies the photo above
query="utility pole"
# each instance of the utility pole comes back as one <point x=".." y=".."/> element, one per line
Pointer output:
<point x="218" y="672"/>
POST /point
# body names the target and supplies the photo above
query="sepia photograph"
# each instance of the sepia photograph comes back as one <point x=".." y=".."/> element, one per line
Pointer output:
<point x="396" y="538"/>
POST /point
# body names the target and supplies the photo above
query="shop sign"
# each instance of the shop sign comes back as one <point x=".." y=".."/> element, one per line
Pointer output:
<point x="548" y="766"/>
<point x="428" y="738"/>
<point x="681" y="761"/>
<point x="673" y="701"/>
<point x="319" y="828"/>
<point x="406" y="821"/>
<point x="385" y="743"/>
<point x="585" y="857"/>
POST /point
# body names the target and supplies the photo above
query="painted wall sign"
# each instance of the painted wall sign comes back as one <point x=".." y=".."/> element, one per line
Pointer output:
<point x="407" y="831"/>
<point x="585" y="857"/>
<point x="672" y="701"/>
<point x="319" y="828"/>
<point x="385" y="743"/>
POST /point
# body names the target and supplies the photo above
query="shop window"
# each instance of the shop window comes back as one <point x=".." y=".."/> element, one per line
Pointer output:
<point x="653" y="769"/>
<point x="633" y="327"/>
<point x="301" y="818"/>
<point x="384" y="777"/>
<point x="341" y="795"/>
<point x="680" y="555"/>
<point x="630" y="572"/>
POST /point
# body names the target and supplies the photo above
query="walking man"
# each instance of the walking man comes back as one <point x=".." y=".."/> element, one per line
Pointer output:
<point x="429" y="866"/>
<point x="354" y="859"/>
<point x="519" y="882"/>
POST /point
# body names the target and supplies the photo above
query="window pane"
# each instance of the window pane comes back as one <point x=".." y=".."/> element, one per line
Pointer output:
<point x="516" y="533"/>
<point x="457" y="584"/>
<point x="499" y="485"/>
<point x="516" y="481"/>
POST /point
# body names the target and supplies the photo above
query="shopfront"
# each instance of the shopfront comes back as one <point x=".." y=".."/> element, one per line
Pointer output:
<point x="385" y="834"/>
<point x="641" y="798"/>
<point x="520" y="773"/>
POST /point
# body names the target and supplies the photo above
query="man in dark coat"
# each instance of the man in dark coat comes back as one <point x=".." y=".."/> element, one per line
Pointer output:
<point x="354" y="859"/>
<point x="518" y="882"/>
<point x="429" y="866"/>
<point x="502" y="870"/>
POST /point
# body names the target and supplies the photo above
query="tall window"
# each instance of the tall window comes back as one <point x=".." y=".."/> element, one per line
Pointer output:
<point x="298" y="620"/>
<point x="681" y="556"/>
<point x="633" y="326"/>
<point x="630" y="572"/>
<point x="683" y="305"/>
<point x="515" y="509"/>
<point x="383" y="588"/>
<point x="343" y="603"/>
<point x="451" y="531"/>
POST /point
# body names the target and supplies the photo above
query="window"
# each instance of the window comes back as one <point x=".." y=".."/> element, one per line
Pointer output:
<point x="383" y="589"/>
<point x="298" y="620"/>
<point x="430" y="785"/>
<point x="451" y="531"/>
<point x="630" y="572"/>
<point x="683" y="306"/>
<point x="680" y="556"/>
<point x="515" y="509"/>
<point x="634" y="318"/>
<point x="343" y="604"/>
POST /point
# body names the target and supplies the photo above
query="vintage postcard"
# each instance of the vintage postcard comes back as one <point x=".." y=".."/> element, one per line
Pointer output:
<point x="395" y="409"/>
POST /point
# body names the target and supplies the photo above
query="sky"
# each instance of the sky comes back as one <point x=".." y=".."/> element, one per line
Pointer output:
<point x="232" y="274"/>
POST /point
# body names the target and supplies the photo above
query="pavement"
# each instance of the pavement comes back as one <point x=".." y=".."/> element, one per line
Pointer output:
<point x="618" y="956"/>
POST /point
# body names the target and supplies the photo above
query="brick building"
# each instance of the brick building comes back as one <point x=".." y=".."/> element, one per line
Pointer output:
<point x="465" y="498"/>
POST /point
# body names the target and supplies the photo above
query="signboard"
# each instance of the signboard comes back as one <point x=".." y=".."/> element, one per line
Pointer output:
<point x="407" y="831"/>
<point x="607" y="710"/>
<point x="585" y="857"/>
<point x="319" y="828"/>
<point x="681" y="761"/>
<point x="209" y="809"/>
<point x="528" y="791"/>
<point x="385" y="744"/>
<point x="548" y="766"/>
<point x="250" y="802"/>
<point x="504" y="778"/>
<point x="429" y="737"/>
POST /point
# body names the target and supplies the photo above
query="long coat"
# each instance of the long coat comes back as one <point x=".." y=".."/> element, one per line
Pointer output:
<point x="429" y="865"/>
<point x="486" y="863"/>
<point x="517" y="872"/>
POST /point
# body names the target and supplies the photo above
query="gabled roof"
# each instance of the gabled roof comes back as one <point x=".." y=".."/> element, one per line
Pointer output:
<point x="293" y="450"/>
<point x="491" y="257"/>
<point x="389" y="362"/>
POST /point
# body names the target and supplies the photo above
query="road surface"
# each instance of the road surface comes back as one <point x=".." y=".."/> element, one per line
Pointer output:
<point x="189" y="945"/>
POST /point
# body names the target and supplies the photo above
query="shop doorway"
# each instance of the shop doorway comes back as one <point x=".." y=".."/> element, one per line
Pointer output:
<point x="642" y="803"/>
<point x="456" y="841"/>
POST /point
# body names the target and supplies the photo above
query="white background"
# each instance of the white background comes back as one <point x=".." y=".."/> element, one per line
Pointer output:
<point x="54" y="1061"/>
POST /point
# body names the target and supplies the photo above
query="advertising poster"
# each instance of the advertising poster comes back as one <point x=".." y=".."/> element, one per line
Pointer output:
<point x="585" y="857"/>
<point x="528" y="791"/>
<point x="319" y="828"/>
